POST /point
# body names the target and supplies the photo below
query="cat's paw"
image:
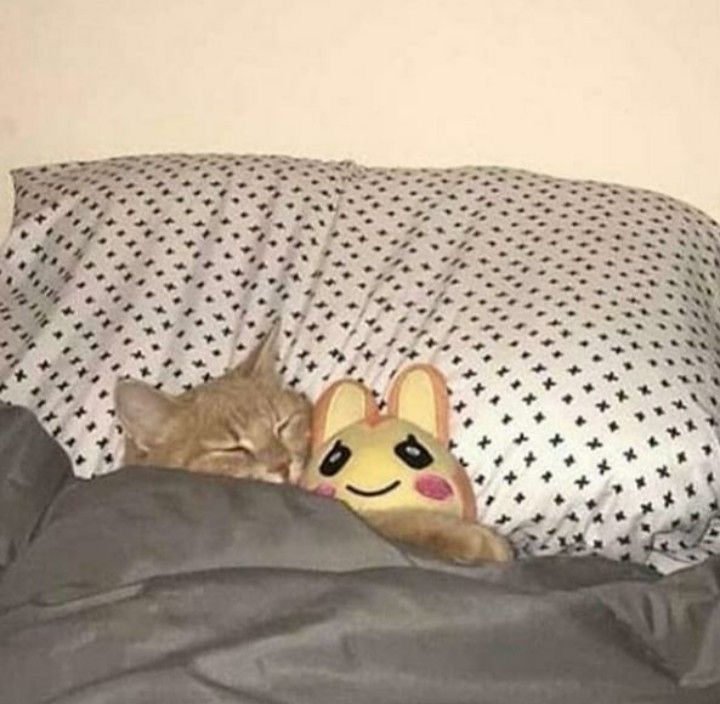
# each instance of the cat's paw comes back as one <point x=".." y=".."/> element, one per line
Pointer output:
<point x="473" y="543"/>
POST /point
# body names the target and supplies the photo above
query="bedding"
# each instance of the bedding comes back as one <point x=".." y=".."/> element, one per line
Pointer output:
<point x="149" y="585"/>
<point x="577" y="323"/>
<point x="32" y="469"/>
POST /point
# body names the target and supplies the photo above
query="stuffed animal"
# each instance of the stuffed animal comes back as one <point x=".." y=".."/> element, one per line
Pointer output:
<point x="396" y="470"/>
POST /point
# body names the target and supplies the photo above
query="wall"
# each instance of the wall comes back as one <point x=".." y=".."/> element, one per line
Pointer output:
<point x="621" y="90"/>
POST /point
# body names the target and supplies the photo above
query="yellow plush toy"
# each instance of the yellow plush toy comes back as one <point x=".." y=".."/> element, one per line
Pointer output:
<point x="374" y="462"/>
<point x="396" y="469"/>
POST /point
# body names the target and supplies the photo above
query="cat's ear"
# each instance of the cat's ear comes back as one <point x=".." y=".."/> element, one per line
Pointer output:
<point x="342" y="404"/>
<point x="143" y="411"/>
<point x="262" y="360"/>
<point x="419" y="395"/>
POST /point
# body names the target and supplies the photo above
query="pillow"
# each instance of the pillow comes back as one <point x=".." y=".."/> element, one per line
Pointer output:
<point x="576" y="322"/>
<point x="33" y="467"/>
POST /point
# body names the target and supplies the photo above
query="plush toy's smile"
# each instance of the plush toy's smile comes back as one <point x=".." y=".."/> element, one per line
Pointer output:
<point x="379" y="492"/>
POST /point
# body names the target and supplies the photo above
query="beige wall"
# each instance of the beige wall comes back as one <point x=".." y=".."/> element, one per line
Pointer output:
<point x="622" y="90"/>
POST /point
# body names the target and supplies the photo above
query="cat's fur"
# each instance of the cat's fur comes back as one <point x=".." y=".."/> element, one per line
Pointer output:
<point x="243" y="424"/>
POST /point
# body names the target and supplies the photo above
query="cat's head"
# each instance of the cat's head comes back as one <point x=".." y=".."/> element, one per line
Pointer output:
<point x="245" y="423"/>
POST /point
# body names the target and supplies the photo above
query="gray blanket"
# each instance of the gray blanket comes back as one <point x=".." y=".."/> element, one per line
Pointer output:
<point x="149" y="585"/>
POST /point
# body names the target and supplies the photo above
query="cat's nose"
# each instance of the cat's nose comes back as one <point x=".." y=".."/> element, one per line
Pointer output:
<point x="281" y="469"/>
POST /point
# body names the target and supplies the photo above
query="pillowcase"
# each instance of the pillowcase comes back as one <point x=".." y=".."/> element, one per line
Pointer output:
<point x="33" y="467"/>
<point x="576" y="322"/>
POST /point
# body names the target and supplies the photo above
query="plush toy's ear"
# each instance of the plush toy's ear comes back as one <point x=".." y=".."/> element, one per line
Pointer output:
<point x="342" y="404"/>
<point x="419" y="395"/>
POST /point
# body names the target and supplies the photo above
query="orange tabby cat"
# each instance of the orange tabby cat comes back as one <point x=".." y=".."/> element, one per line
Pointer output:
<point x="243" y="424"/>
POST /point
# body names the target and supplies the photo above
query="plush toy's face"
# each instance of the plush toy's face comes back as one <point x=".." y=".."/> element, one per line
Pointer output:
<point x="390" y="464"/>
<point x="401" y="460"/>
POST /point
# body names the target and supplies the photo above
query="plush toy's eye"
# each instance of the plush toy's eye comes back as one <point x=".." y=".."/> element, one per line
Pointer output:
<point x="412" y="453"/>
<point x="335" y="459"/>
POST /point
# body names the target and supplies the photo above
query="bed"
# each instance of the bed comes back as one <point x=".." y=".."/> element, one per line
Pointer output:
<point x="578" y="326"/>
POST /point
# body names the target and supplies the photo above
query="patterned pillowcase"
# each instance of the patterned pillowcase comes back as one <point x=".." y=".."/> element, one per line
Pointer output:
<point x="578" y="323"/>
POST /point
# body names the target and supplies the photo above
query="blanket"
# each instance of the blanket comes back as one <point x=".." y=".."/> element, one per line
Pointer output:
<point x="153" y="585"/>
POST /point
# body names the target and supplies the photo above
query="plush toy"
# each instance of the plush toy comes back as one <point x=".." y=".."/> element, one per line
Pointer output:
<point x="396" y="469"/>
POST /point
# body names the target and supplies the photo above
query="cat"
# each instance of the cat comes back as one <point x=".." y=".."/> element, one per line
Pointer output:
<point x="244" y="424"/>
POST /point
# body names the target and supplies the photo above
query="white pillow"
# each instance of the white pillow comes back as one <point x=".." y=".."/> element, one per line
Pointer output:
<point x="577" y="323"/>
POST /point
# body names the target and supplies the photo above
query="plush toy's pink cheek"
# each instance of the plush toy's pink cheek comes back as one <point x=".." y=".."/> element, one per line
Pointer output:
<point x="434" y="487"/>
<point x="325" y="489"/>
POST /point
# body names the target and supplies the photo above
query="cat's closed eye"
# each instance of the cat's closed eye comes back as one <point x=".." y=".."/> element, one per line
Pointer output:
<point x="244" y="449"/>
<point x="296" y="424"/>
